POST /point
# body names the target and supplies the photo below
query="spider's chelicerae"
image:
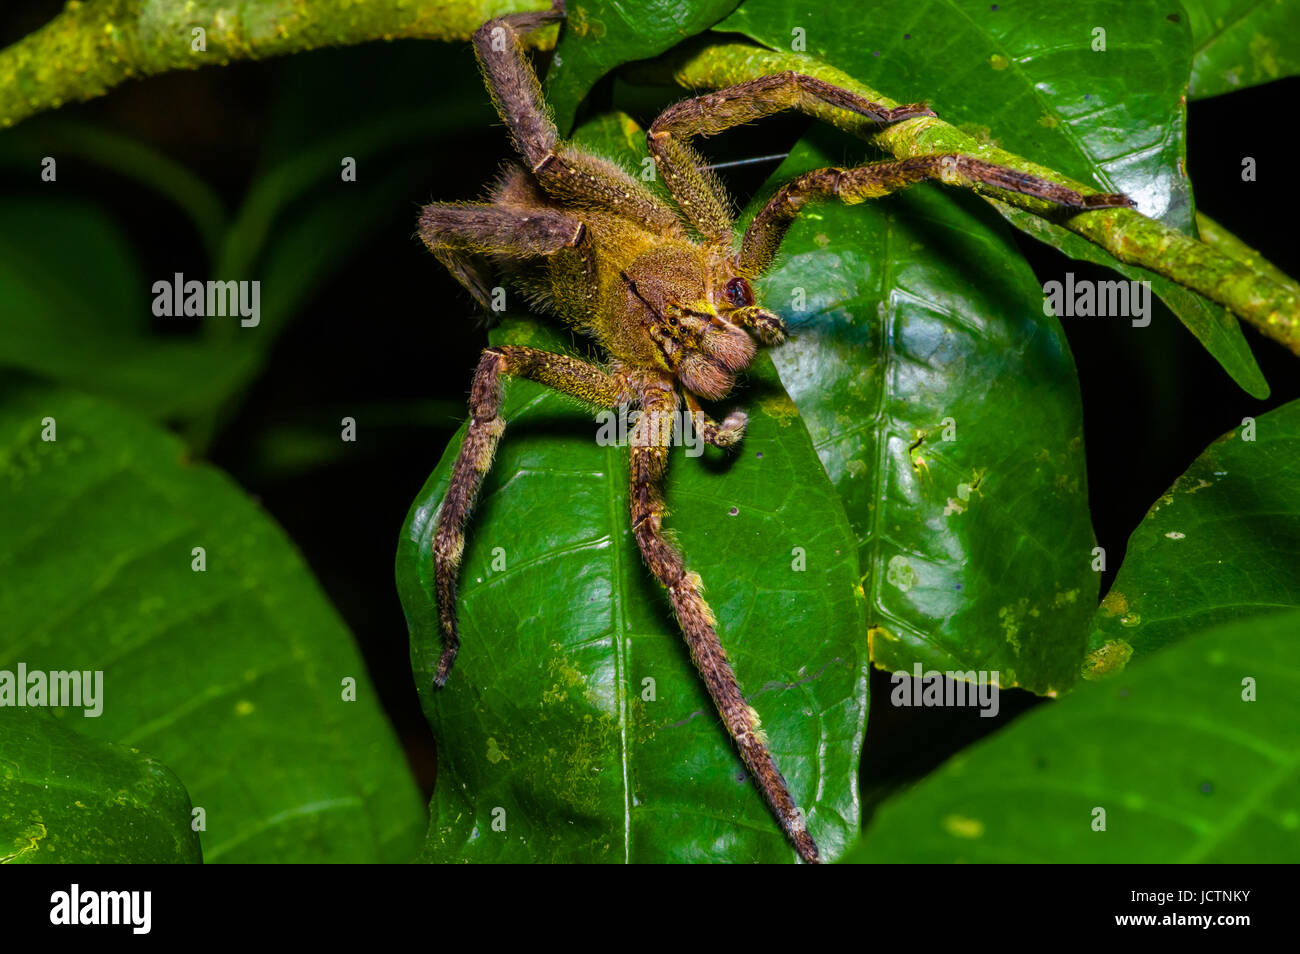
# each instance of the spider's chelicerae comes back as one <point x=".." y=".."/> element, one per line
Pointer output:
<point x="666" y="292"/>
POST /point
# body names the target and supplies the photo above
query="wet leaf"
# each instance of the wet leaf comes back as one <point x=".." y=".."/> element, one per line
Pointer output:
<point x="945" y="407"/>
<point x="1219" y="545"/>
<point x="235" y="675"/>
<point x="1241" y="43"/>
<point x="574" y="726"/>
<point x="1191" y="755"/>
<point x="1031" y="79"/>
<point x="68" y="799"/>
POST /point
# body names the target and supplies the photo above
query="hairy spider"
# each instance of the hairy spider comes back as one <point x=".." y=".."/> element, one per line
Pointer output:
<point x="666" y="292"/>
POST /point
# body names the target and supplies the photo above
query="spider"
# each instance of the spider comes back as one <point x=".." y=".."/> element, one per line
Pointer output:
<point x="666" y="292"/>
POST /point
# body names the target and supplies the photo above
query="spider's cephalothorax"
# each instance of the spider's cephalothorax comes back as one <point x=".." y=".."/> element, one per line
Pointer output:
<point x="666" y="292"/>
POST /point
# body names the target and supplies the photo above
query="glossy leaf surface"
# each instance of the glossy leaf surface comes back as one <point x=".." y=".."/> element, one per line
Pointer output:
<point x="1219" y="545"/>
<point x="235" y="671"/>
<point x="1190" y="756"/>
<point x="574" y="726"/>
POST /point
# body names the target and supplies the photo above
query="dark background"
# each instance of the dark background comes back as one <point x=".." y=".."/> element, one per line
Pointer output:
<point x="377" y="336"/>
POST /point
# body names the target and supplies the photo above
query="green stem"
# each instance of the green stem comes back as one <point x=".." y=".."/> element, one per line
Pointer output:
<point x="1239" y="284"/>
<point x="93" y="45"/>
<point x="1216" y="236"/>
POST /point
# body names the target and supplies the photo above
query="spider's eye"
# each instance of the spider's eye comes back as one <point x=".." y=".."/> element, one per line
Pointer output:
<point x="672" y="320"/>
<point x="739" y="293"/>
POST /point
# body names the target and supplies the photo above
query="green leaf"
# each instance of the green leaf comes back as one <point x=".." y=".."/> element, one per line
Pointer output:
<point x="601" y="35"/>
<point x="68" y="799"/>
<point x="1185" y="768"/>
<point x="233" y="676"/>
<point x="574" y="715"/>
<point x="1028" y="79"/>
<point x="1241" y="43"/>
<point x="945" y="407"/>
<point x="1219" y="545"/>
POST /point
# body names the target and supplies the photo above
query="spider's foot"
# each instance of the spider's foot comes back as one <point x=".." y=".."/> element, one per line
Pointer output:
<point x="908" y="111"/>
<point x="445" y="662"/>
<point x="807" y="848"/>
<point x="1108" y="200"/>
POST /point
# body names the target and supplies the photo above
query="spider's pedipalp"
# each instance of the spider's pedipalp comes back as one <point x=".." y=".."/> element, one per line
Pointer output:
<point x="569" y="375"/>
<point x="769" y="328"/>
<point x="650" y="442"/>
<point x="727" y="434"/>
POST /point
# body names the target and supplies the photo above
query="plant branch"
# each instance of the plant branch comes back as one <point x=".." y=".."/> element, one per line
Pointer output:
<point x="1240" y="283"/>
<point x="1216" y="236"/>
<point x="93" y="45"/>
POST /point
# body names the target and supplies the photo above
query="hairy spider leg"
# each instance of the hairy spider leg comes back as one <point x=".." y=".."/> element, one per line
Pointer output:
<point x="765" y="233"/>
<point x="458" y="233"/>
<point x="561" y="372"/>
<point x="650" y="441"/>
<point x="697" y="190"/>
<point x="704" y="203"/>
<point x="521" y="227"/>
<point x="564" y="172"/>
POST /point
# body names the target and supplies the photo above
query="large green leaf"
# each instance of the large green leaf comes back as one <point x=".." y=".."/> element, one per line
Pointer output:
<point x="601" y="35"/>
<point x="1027" y="78"/>
<point x="916" y="319"/>
<point x="1221" y="544"/>
<point x="65" y="798"/>
<point x="548" y="724"/>
<point x="235" y="677"/>
<point x="1192" y="755"/>
<point x="1241" y="43"/>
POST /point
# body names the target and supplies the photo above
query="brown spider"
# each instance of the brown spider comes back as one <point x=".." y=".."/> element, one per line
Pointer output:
<point x="667" y="294"/>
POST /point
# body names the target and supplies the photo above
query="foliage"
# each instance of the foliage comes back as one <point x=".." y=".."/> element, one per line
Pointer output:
<point x="912" y="489"/>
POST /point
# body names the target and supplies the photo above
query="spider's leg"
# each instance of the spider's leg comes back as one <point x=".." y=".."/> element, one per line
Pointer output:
<point x="569" y="375"/>
<point x="726" y="434"/>
<point x="565" y="172"/>
<point x="697" y="190"/>
<point x="876" y="179"/>
<point x="459" y="233"/>
<point x="650" y="441"/>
